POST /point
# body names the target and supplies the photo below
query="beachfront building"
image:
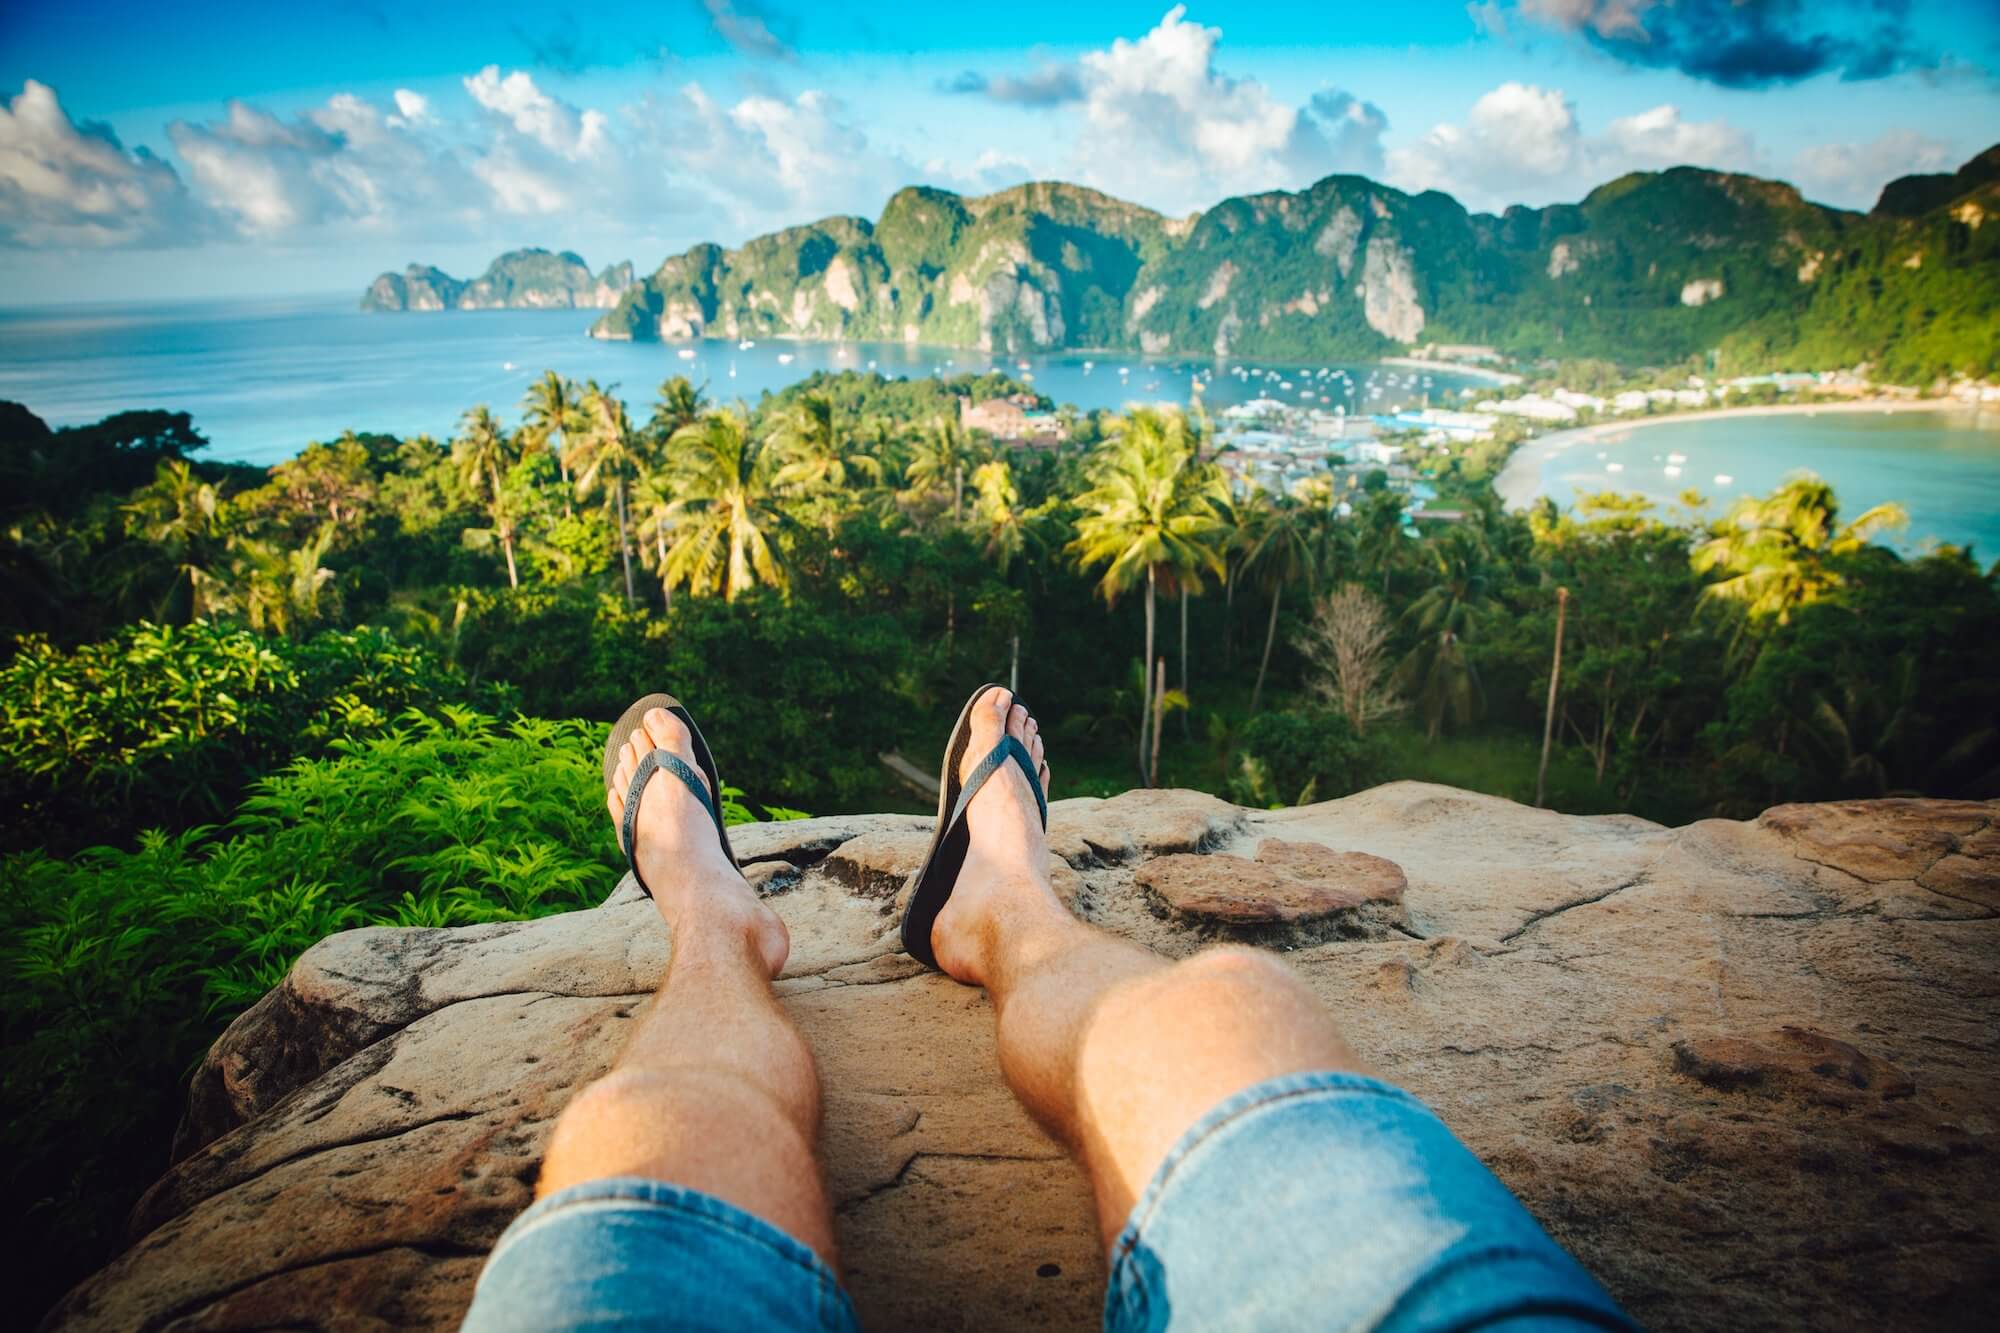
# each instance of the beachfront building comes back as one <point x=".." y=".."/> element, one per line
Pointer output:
<point x="1440" y="425"/>
<point x="1016" y="419"/>
<point x="1532" y="406"/>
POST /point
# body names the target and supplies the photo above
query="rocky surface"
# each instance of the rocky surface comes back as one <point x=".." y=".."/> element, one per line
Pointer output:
<point x="1746" y="1071"/>
<point x="518" y="280"/>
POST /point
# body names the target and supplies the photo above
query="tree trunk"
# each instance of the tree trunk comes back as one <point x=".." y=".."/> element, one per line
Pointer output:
<point x="1014" y="668"/>
<point x="1228" y="621"/>
<point x="950" y="620"/>
<point x="1159" y="718"/>
<point x="958" y="493"/>
<point x="1146" y="677"/>
<point x="506" y="535"/>
<point x="1549" y="718"/>
<point x="562" y="469"/>
<point x="624" y="542"/>
<point x="1184" y="662"/>
<point x="1270" y="633"/>
<point x="666" y="588"/>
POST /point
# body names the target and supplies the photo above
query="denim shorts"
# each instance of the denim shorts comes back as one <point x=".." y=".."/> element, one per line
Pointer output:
<point x="1318" y="1201"/>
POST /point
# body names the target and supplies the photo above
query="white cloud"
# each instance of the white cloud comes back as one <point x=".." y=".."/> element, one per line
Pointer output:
<point x="1660" y="138"/>
<point x="1161" y="123"/>
<point x="550" y="122"/>
<point x="1516" y="134"/>
<point x="1852" y="174"/>
<point x="1521" y="143"/>
<point x="413" y="108"/>
<point x="767" y="162"/>
<point x="345" y="161"/>
<point x="64" y="184"/>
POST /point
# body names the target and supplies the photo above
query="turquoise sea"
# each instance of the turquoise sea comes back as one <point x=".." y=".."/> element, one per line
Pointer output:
<point x="1941" y="466"/>
<point x="263" y="379"/>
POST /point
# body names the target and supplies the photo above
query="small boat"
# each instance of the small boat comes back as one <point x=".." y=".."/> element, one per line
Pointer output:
<point x="1672" y="471"/>
<point x="871" y="365"/>
<point x="1284" y="384"/>
<point x="746" y="344"/>
<point x="784" y="358"/>
<point x="1124" y="370"/>
<point x="1020" y="365"/>
<point x="1677" y="458"/>
<point x="1614" y="467"/>
<point x="685" y="354"/>
<point x="1723" y="479"/>
<point x="732" y="370"/>
<point x="506" y="365"/>
<point x="1089" y="366"/>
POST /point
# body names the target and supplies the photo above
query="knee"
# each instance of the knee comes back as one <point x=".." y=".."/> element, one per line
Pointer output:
<point x="1235" y="972"/>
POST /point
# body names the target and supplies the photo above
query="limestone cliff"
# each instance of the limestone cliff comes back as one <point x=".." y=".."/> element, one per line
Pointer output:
<point x="1650" y="268"/>
<point x="520" y="279"/>
<point x="1748" y="1072"/>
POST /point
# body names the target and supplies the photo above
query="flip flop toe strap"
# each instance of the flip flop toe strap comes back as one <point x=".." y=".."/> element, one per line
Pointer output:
<point x="629" y="826"/>
<point x="1008" y="748"/>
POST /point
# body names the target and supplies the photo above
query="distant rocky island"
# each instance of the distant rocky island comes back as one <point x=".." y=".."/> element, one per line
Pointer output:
<point x="1652" y="268"/>
<point x="518" y="280"/>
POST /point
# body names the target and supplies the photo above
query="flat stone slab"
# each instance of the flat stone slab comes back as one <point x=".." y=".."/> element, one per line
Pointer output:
<point x="1749" y="1073"/>
<point x="1287" y="883"/>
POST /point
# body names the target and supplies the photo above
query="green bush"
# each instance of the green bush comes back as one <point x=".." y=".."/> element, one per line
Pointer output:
<point x="118" y="966"/>
<point x="1291" y="758"/>
<point x="164" y="725"/>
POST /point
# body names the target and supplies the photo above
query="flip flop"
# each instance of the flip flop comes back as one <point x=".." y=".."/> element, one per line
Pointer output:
<point x="621" y="731"/>
<point x="938" y="874"/>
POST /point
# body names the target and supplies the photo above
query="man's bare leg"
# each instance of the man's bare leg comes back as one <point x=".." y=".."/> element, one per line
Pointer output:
<point x="1112" y="1048"/>
<point x="716" y="1090"/>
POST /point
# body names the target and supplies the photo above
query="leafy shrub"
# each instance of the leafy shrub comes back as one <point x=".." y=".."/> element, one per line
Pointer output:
<point x="797" y="699"/>
<point x="165" y="724"/>
<point x="118" y="967"/>
<point x="1290" y="758"/>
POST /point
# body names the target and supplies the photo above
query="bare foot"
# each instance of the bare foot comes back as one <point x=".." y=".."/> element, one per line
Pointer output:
<point x="680" y="857"/>
<point x="1004" y="884"/>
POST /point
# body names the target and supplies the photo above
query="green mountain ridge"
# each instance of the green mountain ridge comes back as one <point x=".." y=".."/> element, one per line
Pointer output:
<point x="1652" y="268"/>
<point x="519" y="279"/>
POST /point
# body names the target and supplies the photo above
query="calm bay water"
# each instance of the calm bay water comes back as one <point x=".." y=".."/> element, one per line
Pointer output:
<point x="1941" y="466"/>
<point x="262" y="379"/>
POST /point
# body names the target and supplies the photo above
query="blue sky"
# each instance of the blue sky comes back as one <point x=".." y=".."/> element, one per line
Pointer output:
<point x="229" y="148"/>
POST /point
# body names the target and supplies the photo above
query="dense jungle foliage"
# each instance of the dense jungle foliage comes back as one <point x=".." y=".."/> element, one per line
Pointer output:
<point x="241" y="708"/>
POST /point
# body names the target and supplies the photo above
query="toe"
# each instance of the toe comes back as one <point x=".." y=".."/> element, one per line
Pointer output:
<point x="986" y="725"/>
<point x="1017" y="722"/>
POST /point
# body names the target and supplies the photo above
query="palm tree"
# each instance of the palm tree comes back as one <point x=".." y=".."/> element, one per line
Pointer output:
<point x="1436" y="672"/>
<point x="1777" y="551"/>
<point x="609" y="455"/>
<point x="1380" y="541"/>
<point x="181" y="516"/>
<point x="941" y="458"/>
<point x="1280" y="553"/>
<point x="679" y="404"/>
<point x="1152" y="509"/>
<point x="812" y="454"/>
<point x="481" y="453"/>
<point x="1006" y="529"/>
<point x="653" y="503"/>
<point x="724" y="511"/>
<point x="554" y="409"/>
<point x="280" y="590"/>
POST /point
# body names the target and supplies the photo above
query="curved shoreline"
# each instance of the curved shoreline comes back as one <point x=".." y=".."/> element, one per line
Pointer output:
<point x="1486" y="373"/>
<point x="1520" y="482"/>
